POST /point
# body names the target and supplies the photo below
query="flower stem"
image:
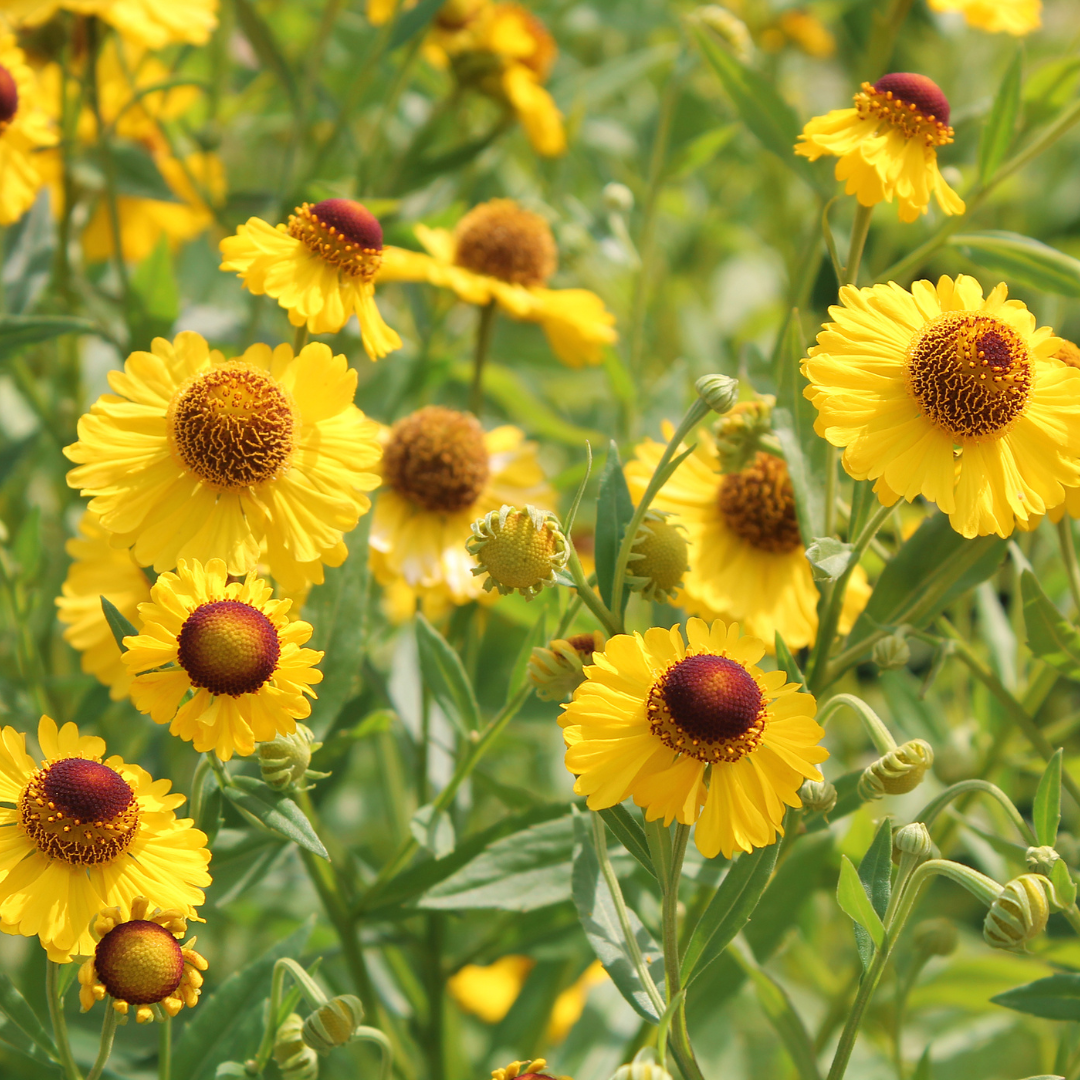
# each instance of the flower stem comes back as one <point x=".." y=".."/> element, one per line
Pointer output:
<point x="484" y="326"/>
<point x="300" y="338"/>
<point x="165" y="1050"/>
<point x="886" y="27"/>
<point x="588" y="596"/>
<point x="860" y="228"/>
<point x="1068" y="556"/>
<point x="59" y="1021"/>
<point x="108" y="1032"/>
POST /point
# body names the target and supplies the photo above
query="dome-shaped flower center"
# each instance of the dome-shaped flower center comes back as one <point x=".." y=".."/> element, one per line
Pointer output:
<point x="970" y="373"/>
<point x="79" y="811"/>
<point x="437" y="458"/>
<point x="520" y="555"/>
<point x="9" y="97"/>
<point x="758" y="505"/>
<point x="583" y="644"/>
<point x="341" y="232"/>
<point x="1068" y="353"/>
<point x="500" y="239"/>
<point x="709" y="707"/>
<point x="233" y="426"/>
<point x="665" y="554"/>
<point x="139" y="962"/>
<point x="228" y="647"/>
<point x="913" y="104"/>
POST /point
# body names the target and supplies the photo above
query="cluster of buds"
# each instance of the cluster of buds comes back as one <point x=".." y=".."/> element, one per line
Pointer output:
<point x="519" y="550"/>
<point x="643" y="1067"/>
<point x="284" y="760"/>
<point x="899" y="771"/>
<point x="295" y="1059"/>
<point x="742" y="432"/>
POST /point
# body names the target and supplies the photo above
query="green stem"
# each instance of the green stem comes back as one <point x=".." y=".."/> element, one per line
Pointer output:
<point x="886" y="27"/>
<point x="108" y="1033"/>
<point x="59" y="1021"/>
<point x="1068" y="556"/>
<point x="588" y="595"/>
<point x="165" y="1049"/>
<point x="300" y="338"/>
<point x="860" y="228"/>
<point x="879" y="734"/>
<point x="929" y="813"/>
<point x="484" y="327"/>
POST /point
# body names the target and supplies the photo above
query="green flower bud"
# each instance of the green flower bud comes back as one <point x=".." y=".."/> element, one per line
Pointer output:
<point x="891" y="652"/>
<point x="733" y="30"/>
<point x="558" y="669"/>
<point x="817" y="795"/>
<point x="936" y="937"/>
<point x="333" y="1024"/>
<point x="643" y="1067"/>
<point x="1018" y="914"/>
<point x="658" y="557"/>
<point x="719" y="392"/>
<point x="284" y="760"/>
<point x="618" y="198"/>
<point x="897" y="772"/>
<point x="295" y="1059"/>
<point x="1040" y="860"/>
<point x="742" y="432"/>
<point x="519" y="550"/>
<point x="914" y="840"/>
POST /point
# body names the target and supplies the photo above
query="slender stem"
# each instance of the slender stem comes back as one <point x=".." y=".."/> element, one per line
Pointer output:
<point x="484" y="326"/>
<point x="108" y="1033"/>
<point x="165" y="1049"/>
<point x="300" y="338"/>
<point x="879" y="734"/>
<point x="860" y="228"/>
<point x="1068" y="556"/>
<point x="588" y="595"/>
<point x="831" y="460"/>
<point x="929" y="813"/>
<point x="59" y="1021"/>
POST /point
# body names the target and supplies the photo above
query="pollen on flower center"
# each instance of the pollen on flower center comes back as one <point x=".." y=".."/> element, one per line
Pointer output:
<point x="500" y="239"/>
<point x="709" y="707"/>
<point x="228" y="647"/>
<point x="9" y="97"/>
<point x="139" y="962"/>
<point x="233" y="426"/>
<point x="970" y="373"/>
<point x="758" y="505"/>
<point x="79" y="811"/>
<point x="437" y="458"/>
<point x="912" y="103"/>
<point x="343" y="233"/>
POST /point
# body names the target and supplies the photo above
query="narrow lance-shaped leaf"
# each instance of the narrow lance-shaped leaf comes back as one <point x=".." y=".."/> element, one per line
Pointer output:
<point x="1046" y="811"/>
<point x="445" y="676"/>
<point x="262" y="805"/>
<point x="629" y="833"/>
<point x="614" y="509"/>
<point x="118" y="623"/>
<point x="19" y="1012"/>
<point x="1054" y="998"/>
<point x="853" y="901"/>
<point x="997" y="135"/>
<point x="1050" y="636"/>
<point x="875" y="873"/>
<point x="1023" y="260"/>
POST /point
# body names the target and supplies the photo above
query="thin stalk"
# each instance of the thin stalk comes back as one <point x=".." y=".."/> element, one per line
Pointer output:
<point x="1068" y="556"/>
<point x="831" y="460"/>
<point x="886" y="27"/>
<point x="108" y="1033"/>
<point x="165" y="1049"/>
<point x="860" y="229"/>
<point x="59" y="1021"/>
<point x="484" y="327"/>
<point x="300" y="338"/>
<point x="588" y="596"/>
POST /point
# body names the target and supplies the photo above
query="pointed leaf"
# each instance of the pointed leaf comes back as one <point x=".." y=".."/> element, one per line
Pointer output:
<point x="629" y="833"/>
<point x="262" y="805"/>
<point x="411" y="21"/>
<point x="118" y="624"/>
<point x="1022" y="259"/>
<point x="1054" y="998"/>
<point x="1050" y="636"/>
<point x="614" y="509"/>
<point x="19" y="1012"/>
<point x="1046" y="811"/>
<point x="922" y="1070"/>
<point x="829" y="558"/>
<point x="433" y="830"/>
<point x="444" y="675"/>
<point x="18" y="331"/>
<point x="997" y="134"/>
<point x="875" y="873"/>
<point x="853" y="901"/>
<point x="786" y="662"/>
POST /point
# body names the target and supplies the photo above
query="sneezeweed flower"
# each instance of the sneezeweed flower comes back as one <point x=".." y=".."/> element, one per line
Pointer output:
<point x="99" y="569"/>
<point x="887" y="144"/>
<point x="140" y="962"/>
<point x="803" y="29"/>
<point x="78" y="831"/>
<point x="941" y="393"/>
<point x="659" y="557"/>
<point x="524" y="1070"/>
<point x="490" y="990"/>
<point x="503" y="254"/>
<point x="558" y="668"/>
<point x="25" y="128"/>
<point x="197" y="457"/>
<point x="519" y="550"/>
<point x="1016" y="17"/>
<point x="233" y="647"/>
<point x="152" y="23"/>
<point x="656" y="715"/>
<point x="320" y="268"/>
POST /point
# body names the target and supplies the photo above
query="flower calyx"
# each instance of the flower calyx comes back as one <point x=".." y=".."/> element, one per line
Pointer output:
<point x="742" y="432"/>
<point x="519" y="550"/>
<point x="333" y="1024"/>
<point x="295" y="1059"/>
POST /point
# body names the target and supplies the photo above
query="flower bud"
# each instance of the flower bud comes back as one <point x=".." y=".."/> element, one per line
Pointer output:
<point x="519" y="550"/>
<point x="618" y="198"/>
<point x="557" y="669"/>
<point x="333" y="1024"/>
<point x="742" y="432"/>
<point x="719" y="392"/>
<point x="817" y="796"/>
<point x="914" y="840"/>
<point x="936" y="937"/>
<point x="295" y="1059"/>
<point x="284" y="760"/>
<point x="1018" y="914"/>
<point x="733" y="30"/>
<point x="891" y="652"/>
<point x="1040" y="860"/>
<point x="643" y="1067"/>
<point x="658" y="558"/>
<point x="899" y="771"/>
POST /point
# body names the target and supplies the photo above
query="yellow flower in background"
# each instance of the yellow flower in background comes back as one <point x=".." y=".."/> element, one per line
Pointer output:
<point x="55" y="879"/>
<point x="24" y="129"/>
<point x="489" y="990"/>
<point x="887" y="144"/>
<point x="941" y="393"/>
<point x="441" y="472"/>
<point x="804" y="30"/>
<point x="570" y="1004"/>
<point x="1017" y="17"/>
<point x="99" y="569"/>
<point x="524" y="1069"/>
<point x="656" y="714"/>
<point x="501" y="253"/>
<point x="320" y="268"/>
<point x="197" y="457"/>
<point x="152" y="23"/>
<point x="233" y="647"/>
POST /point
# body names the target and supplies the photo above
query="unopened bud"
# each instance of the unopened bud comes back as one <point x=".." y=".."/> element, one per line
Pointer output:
<point x="1040" y="860"/>
<point x="914" y="840"/>
<point x="891" y="652"/>
<point x="1018" y="914"/>
<point x="818" y="796"/>
<point x="558" y="669"/>
<point x="284" y="760"/>
<point x="936" y="937"/>
<point x="295" y="1059"/>
<point x="658" y="557"/>
<point x="618" y="198"/>
<point x="742" y="432"/>
<point x="733" y="30"/>
<point x="519" y="550"/>
<point x="333" y="1024"/>
<point x="643" y="1067"/>
<point x="899" y="771"/>
<point x="719" y="392"/>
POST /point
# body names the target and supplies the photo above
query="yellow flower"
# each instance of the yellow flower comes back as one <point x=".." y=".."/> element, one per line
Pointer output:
<point x="24" y="129"/>
<point x="152" y="23"/>
<point x="500" y="253"/>
<point x="887" y="144"/>
<point x="570" y="1004"/>
<point x="940" y="393"/>
<point x="320" y="267"/>
<point x="804" y="29"/>
<point x="140" y="961"/>
<point x="233" y="647"/>
<point x="1017" y="17"/>
<point x="196" y="457"/>
<point x="489" y="990"/>
<point x="441" y="472"/>
<point x="54" y="878"/>
<point x="99" y="569"/>
<point x="747" y="561"/>
<point x="655" y="714"/>
<point x="524" y="1070"/>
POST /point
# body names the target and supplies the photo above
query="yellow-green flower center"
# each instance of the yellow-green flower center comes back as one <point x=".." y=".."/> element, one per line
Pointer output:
<point x="758" y="505"/>
<point x="341" y="232"/>
<point x="139" y="962"/>
<point x="519" y="555"/>
<point x="233" y="427"/>
<point x="9" y="97"/>
<point x="501" y="240"/>
<point x="228" y="647"/>
<point x="664" y="550"/>
<point x="970" y="373"/>
<point x="79" y="811"/>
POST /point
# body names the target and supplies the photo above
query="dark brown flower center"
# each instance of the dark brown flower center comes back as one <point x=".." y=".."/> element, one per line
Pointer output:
<point x="79" y="811"/>
<point x="139" y="962"/>
<point x="585" y="644"/>
<point x="437" y="458"/>
<point x="758" y="505"/>
<point x="341" y="232"/>
<point x="9" y="97"/>
<point x="501" y="240"/>
<point x="228" y="647"/>
<point x="970" y="373"/>
<point x="911" y="103"/>
<point x="917" y="90"/>
<point x="233" y="427"/>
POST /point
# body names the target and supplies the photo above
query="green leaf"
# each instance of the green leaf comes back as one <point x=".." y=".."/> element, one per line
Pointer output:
<point x="411" y="22"/>
<point x="1050" y="636"/>
<point x="875" y="873"/>
<point x="155" y="288"/>
<point x="444" y="675"/>
<point x="262" y="40"/>
<point x="1050" y="89"/>
<point x="27" y="546"/>
<point x="536" y="638"/>
<point x="118" y="624"/>
<point x="241" y="861"/>
<point x="29" y="253"/>
<point x="614" y="509"/>
<point x="629" y="833"/>
<point x="137" y="174"/>
<point x="19" y="1012"/>
<point x="1054" y="998"/>
<point x="1022" y="259"/>
<point x="786" y="662"/>
<point x="829" y="558"/>
<point x="18" y="331"/>
<point x="1046" y="811"/>
<point x="1064" y="884"/>
<point x="922" y="1070"/>
<point x="853" y="901"/>
<point x="260" y="804"/>
<point x="1000" y="127"/>
<point x="433" y="830"/>
<point x="699" y="152"/>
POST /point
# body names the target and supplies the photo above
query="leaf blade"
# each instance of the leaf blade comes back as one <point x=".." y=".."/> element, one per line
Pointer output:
<point x="853" y="901"/>
<point x="262" y="805"/>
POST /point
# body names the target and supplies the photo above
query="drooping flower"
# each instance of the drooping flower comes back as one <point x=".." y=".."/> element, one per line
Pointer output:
<point x="233" y="647"/>
<point x="25" y="128"/>
<point x="320" y="268"/>
<point x="656" y="716"/>
<point x="151" y="23"/>
<point x="941" y="393"/>
<point x="78" y="833"/>
<point x="139" y="961"/>
<point x="197" y="457"/>
<point x="887" y="144"/>
<point x="501" y="253"/>
<point x="1016" y="17"/>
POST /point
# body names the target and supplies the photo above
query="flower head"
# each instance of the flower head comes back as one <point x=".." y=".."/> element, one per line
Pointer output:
<point x="523" y="1070"/>
<point x="558" y="668"/>
<point x="941" y="393"/>
<point x="519" y="550"/>
<point x="25" y="129"/>
<point x="151" y="23"/>
<point x="233" y="647"/>
<point x="1016" y="17"/>
<point x="78" y="830"/>
<point x="320" y="267"/>
<point x="887" y="144"/>
<point x="899" y="771"/>
<point x="657" y="715"/>
<point x="659" y="557"/>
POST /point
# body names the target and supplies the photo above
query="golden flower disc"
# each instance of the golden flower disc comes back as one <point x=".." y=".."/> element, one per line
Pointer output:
<point x="228" y="647"/>
<point x="79" y="811"/>
<point x="666" y="555"/>
<point x="709" y="707"/>
<point x="500" y="239"/>
<point x="520" y="555"/>
<point x="233" y="426"/>
<point x="341" y="232"/>
<point x="9" y="97"/>
<point x="914" y="104"/>
<point x="139" y="962"/>
<point x="437" y="458"/>
<point x="758" y="505"/>
<point x="969" y="372"/>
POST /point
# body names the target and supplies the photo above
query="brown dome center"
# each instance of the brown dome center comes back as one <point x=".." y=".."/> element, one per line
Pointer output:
<point x="228" y="647"/>
<point x="9" y="97"/>
<point x="758" y="505"/>
<point x="504" y="241"/>
<point x="139" y="962"/>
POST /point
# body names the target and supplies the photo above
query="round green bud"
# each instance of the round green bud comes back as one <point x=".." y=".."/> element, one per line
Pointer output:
<point x="899" y="771"/>
<point x="333" y="1024"/>
<point x="913" y="840"/>
<point x="295" y="1059"/>
<point x="1040" y="860"/>
<point x="519" y="550"/>
<point x="658" y="557"/>
<point x="818" y="796"/>
<point x="284" y="760"/>
<point x="719" y="392"/>
<point x="1018" y="914"/>
<point x="891" y="653"/>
